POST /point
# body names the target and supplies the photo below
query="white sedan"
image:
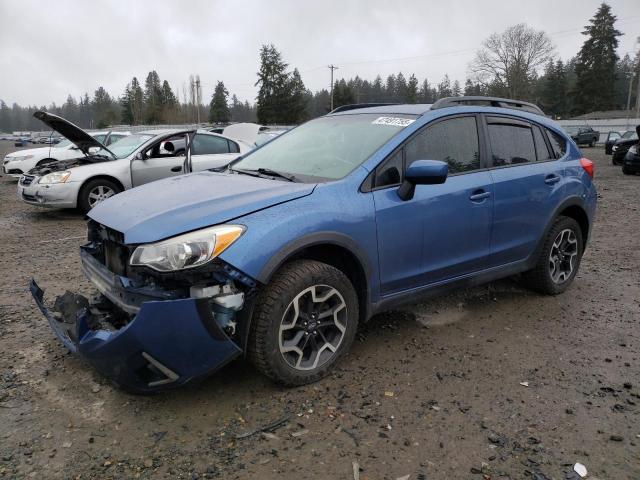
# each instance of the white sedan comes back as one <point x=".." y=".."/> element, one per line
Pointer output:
<point x="101" y="172"/>
<point x="17" y="163"/>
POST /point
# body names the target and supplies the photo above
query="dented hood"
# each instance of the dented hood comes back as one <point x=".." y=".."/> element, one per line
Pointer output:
<point x="176" y="205"/>
<point x="75" y="134"/>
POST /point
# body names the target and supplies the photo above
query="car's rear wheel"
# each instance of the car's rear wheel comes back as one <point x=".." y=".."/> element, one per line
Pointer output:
<point x="304" y="322"/>
<point x="559" y="258"/>
<point x="626" y="171"/>
<point x="96" y="191"/>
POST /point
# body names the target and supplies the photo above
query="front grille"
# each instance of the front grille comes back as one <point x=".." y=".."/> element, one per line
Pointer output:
<point x="29" y="198"/>
<point x="114" y="253"/>
<point x="26" y="180"/>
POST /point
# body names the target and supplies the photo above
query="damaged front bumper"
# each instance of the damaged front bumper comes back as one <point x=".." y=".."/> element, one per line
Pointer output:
<point x="166" y="342"/>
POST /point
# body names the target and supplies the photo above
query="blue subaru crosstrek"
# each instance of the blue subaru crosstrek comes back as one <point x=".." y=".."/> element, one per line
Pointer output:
<point x="283" y="253"/>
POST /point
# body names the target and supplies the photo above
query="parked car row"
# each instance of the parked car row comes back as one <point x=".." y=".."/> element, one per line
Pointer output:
<point x="89" y="168"/>
<point x="282" y="252"/>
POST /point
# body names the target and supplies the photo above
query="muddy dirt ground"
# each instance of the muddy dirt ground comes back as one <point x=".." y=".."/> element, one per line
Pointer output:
<point x="492" y="382"/>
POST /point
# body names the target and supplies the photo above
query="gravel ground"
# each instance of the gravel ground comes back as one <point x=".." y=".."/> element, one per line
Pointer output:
<point x="491" y="382"/>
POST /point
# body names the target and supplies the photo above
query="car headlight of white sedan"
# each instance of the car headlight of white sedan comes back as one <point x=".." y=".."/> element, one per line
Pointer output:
<point x="55" y="177"/>
<point x="190" y="250"/>
<point x="19" y="158"/>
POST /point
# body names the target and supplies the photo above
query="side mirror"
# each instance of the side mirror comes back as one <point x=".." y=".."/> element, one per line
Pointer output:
<point x="422" y="172"/>
<point x="94" y="150"/>
<point x="139" y="156"/>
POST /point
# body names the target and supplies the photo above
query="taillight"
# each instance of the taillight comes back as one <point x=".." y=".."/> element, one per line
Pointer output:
<point x="588" y="166"/>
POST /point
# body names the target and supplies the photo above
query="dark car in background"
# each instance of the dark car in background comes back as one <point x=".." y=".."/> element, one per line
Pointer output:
<point x="631" y="162"/>
<point x="622" y="146"/>
<point x="612" y="138"/>
<point x="583" y="135"/>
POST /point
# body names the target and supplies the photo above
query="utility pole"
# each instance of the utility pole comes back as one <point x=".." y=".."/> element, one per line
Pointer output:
<point x="198" y="96"/>
<point x="332" y="68"/>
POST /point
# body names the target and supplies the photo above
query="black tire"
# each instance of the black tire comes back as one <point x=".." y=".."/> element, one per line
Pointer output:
<point x="626" y="171"/>
<point x="273" y="306"/>
<point x="85" y="203"/>
<point x="540" y="277"/>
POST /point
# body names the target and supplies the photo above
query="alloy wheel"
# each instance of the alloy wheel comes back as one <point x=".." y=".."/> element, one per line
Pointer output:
<point x="100" y="193"/>
<point x="312" y="327"/>
<point x="563" y="256"/>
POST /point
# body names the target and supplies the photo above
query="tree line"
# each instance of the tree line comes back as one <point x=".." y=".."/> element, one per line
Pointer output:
<point x="517" y="63"/>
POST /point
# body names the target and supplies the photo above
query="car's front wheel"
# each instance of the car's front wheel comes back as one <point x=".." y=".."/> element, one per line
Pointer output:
<point x="559" y="258"/>
<point x="96" y="191"/>
<point x="304" y="322"/>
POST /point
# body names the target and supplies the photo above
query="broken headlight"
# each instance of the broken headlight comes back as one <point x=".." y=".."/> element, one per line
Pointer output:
<point x="186" y="251"/>
<point x="55" y="177"/>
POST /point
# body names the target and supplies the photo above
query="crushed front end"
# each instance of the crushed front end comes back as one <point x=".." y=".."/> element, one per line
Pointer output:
<point x="147" y="330"/>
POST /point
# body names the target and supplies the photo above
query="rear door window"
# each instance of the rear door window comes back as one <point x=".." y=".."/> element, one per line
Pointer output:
<point x="542" y="151"/>
<point x="209" y="145"/>
<point x="454" y="141"/>
<point x="511" y="142"/>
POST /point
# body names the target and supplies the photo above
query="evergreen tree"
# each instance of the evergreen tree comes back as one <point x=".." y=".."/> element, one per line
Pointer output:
<point x="456" y="91"/>
<point x="412" y="90"/>
<point x="103" y="108"/>
<point x="377" y="91"/>
<point x="342" y="94"/>
<point x="168" y="102"/>
<point x="137" y="101"/>
<point x="390" y="90"/>
<point x="444" y="87"/>
<point x="273" y="80"/>
<point x="297" y="110"/>
<point x="126" y="106"/>
<point x="401" y="88"/>
<point x="219" y="109"/>
<point x="596" y="62"/>
<point x="152" y="98"/>
<point x="426" y="92"/>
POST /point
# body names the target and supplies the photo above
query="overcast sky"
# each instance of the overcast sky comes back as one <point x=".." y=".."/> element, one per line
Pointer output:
<point x="49" y="49"/>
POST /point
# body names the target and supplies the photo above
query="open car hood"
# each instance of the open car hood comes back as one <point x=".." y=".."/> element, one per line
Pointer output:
<point x="75" y="134"/>
<point x="176" y="205"/>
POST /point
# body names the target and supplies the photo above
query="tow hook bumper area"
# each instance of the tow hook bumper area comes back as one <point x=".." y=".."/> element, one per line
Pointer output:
<point x="168" y="343"/>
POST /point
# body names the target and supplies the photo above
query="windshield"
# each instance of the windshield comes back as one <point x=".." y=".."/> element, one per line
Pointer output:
<point x="127" y="145"/>
<point x="63" y="143"/>
<point x="327" y="148"/>
<point x="630" y="135"/>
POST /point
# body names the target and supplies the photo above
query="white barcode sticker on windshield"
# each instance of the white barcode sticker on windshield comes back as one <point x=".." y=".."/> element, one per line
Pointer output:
<point x="393" y="121"/>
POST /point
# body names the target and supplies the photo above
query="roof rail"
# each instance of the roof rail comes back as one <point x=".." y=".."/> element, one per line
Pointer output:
<point x="353" y="106"/>
<point x="487" y="102"/>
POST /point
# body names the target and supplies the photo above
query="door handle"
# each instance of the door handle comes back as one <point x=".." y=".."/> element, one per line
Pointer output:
<point x="479" y="195"/>
<point x="177" y="169"/>
<point x="551" y="179"/>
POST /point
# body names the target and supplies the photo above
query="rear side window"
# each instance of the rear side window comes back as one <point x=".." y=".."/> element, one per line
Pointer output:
<point x="209" y="145"/>
<point x="558" y="143"/>
<point x="233" y="147"/>
<point x="390" y="171"/>
<point x="454" y="141"/>
<point x="542" y="151"/>
<point x="511" y="144"/>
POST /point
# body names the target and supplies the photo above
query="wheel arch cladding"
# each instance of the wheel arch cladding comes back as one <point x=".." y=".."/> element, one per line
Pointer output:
<point x="334" y="249"/>
<point x="579" y="215"/>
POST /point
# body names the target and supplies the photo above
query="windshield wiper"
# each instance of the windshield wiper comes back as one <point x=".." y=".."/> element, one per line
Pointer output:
<point x="274" y="173"/>
<point x="265" y="171"/>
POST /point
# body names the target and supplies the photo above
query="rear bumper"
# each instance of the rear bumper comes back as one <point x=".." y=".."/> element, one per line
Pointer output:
<point x="166" y="344"/>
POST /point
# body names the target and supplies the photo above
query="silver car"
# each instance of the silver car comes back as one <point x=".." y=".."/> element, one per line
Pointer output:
<point x="134" y="160"/>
